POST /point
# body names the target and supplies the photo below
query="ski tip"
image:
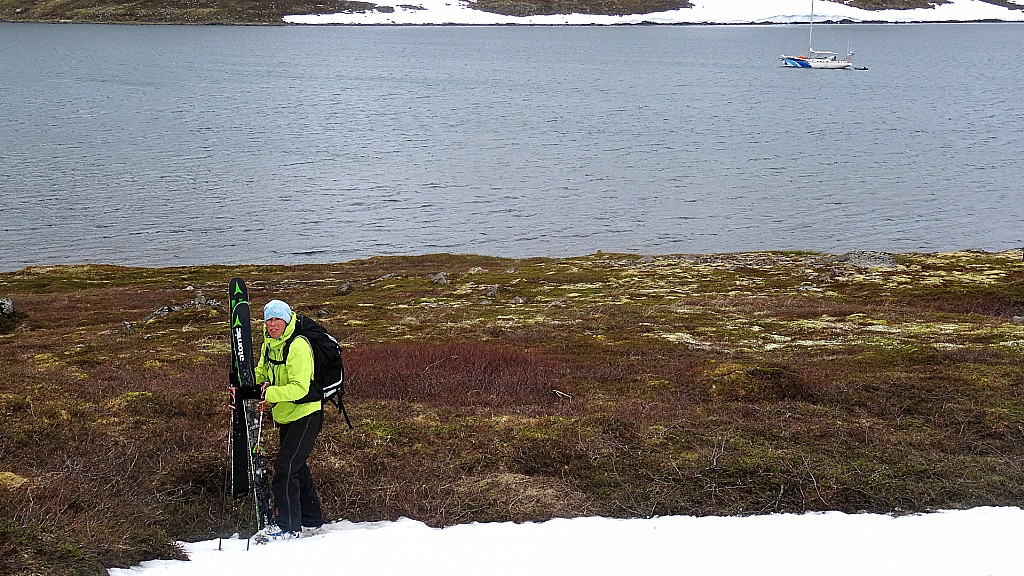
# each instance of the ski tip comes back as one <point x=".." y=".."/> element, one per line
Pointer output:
<point x="237" y="293"/>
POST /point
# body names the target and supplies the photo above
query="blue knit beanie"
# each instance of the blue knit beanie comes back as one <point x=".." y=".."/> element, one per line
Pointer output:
<point x="277" y="309"/>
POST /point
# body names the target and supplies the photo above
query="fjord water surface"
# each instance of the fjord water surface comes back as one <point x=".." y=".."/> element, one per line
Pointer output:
<point x="168" y="145"/>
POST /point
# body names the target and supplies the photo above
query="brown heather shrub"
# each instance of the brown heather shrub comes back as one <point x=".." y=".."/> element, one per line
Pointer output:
<point x="96" y="495"/>
<point x="981" y="302"/>
<point x="10" y="322"/>
<point x="453" y="373"/>
<point x="100" y="445"/>
<point x="649" y="412"/>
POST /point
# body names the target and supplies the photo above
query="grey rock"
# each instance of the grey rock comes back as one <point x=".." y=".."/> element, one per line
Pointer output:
<point x="6" y="306"/>
<point x="867" y="259"/>
<point x="198" y="301"/>
<point x="439" y="278"/>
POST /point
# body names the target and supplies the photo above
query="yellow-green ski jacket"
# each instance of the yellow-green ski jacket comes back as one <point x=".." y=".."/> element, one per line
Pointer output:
<point x="288" y="381"/>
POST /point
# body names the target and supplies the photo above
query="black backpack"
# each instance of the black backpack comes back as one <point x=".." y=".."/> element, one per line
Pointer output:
<point x="328" y="384"/>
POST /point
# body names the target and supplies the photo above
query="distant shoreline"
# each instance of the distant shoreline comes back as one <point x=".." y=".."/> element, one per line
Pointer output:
<point x="508" y="24"/>
<point x="863" y="258"/>
<point x="514" y="12"/>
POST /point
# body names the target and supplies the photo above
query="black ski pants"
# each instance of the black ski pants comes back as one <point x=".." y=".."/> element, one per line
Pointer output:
<point x="296" y="503"/>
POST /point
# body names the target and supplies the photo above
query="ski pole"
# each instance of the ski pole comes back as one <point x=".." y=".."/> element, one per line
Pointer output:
<point x="264" y="520"/>
<point x="227" y="468"/>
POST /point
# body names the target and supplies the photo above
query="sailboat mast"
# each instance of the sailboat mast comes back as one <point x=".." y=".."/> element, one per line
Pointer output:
<point x="810" y="30"/>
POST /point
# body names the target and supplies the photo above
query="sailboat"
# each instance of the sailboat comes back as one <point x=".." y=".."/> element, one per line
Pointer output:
<point x="817" y="58"/>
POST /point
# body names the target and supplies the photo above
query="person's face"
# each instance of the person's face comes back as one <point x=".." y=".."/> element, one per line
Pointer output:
<point x="275" y="327"/>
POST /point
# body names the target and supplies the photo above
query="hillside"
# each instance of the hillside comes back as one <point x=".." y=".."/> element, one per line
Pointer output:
<point x="257" y="12"/>
<point x="487" y="389"/>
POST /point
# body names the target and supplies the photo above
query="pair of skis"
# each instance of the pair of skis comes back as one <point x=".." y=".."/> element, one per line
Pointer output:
<point x="249" y="475"/>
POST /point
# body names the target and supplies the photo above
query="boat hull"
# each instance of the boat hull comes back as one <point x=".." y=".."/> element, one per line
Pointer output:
<point x="818" y="63"/>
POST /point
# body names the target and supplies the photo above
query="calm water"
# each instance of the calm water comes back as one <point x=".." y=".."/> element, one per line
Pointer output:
<point x="156" y="145"/>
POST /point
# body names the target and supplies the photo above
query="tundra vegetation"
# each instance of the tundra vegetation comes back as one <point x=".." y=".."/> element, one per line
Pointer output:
<point x="518" y="389"/>
<point x="254" y="12"/>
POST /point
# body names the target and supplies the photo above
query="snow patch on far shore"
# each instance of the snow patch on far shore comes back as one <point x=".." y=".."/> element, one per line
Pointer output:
<point x="458" y="12"/>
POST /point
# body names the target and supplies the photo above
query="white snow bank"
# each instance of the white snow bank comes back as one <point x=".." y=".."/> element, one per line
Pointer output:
<point x="425" y="12"/>
<point x="981" y="541"/>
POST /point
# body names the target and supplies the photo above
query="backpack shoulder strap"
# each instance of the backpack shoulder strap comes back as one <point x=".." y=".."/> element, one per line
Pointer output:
<point x="288" y="344"/>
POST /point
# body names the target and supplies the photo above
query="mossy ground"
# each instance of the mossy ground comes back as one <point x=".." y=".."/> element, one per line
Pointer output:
<point x="519" y="390"/>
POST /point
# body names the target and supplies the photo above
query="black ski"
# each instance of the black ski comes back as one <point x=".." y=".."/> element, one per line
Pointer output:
<point x="247" y="410"/>
<point x="237" y="294"/>
<point x="239" y="444"/>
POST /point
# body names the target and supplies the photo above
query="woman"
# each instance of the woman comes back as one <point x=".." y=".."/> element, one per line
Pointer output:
<point x="286" y="380"/>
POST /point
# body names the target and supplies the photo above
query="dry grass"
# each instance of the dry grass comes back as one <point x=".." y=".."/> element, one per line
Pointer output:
<point x="519" y="390"/>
